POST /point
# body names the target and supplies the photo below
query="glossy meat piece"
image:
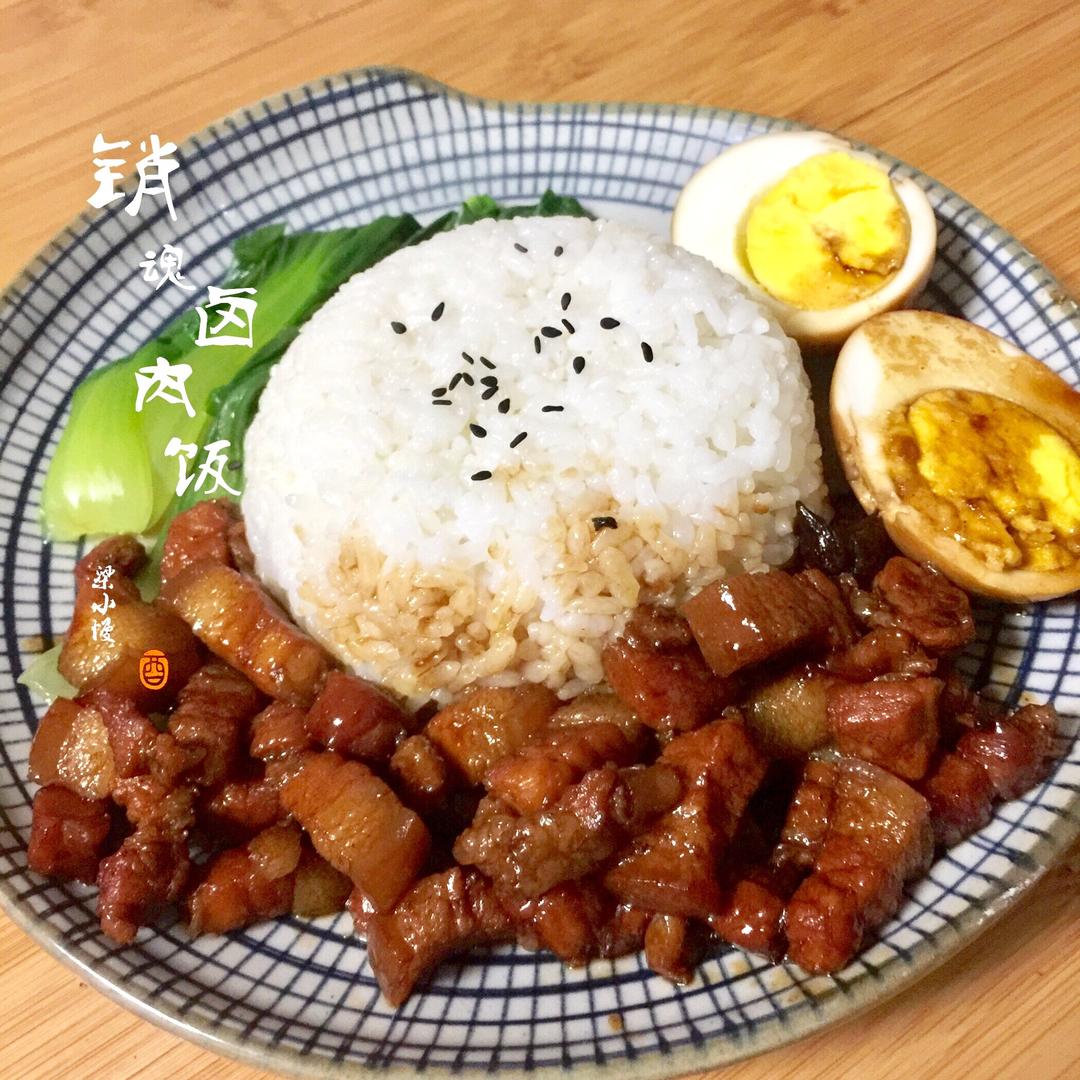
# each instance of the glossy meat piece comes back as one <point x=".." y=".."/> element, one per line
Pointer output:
<point x="132" y="736"/>
<point x="569" y="920"/>
<point x="671" y="867"/>
<point x="1014" y="750"/>
<point x="146" y="873"/>
<point x="213" y="714"/>
<point x="67" y="834"/>
<point x="157" y="807"/>
<point x="236" y="619"/>
<point x="241" y="807"/>
<point x="656" y="668"/>
<point x="488" y="723"/>
<point x="754" y="617"/>
<point x="926" y="604"/>
<point x="599" y="706"/>
<point x="751" y="916"/>
<point x="202" y="532"/>
<point x="654" y="790"/>
<point x="891" y="722"/>
<point x="879" y="836"/>
<point x="421" y="773"/>
<point x="842" y="630"/>
<point x="277" y="731"/>
<point x="808" y="817"/>
<point x="672" y="948"/>
<point x="245" y="885"/>
<point x="71" y="748"/>
<point x="352" y="717"/>
<point x="525" y="856"/>
<point x="358" y="825"/>
<point x="441" y="915"/>
<point x="886" y="650"/>
<point x="788" y="714"/>
<point x="624" y="932"/>
<point x="960" y="795"/>
<point x="536" y="776"/>
<point x="89" y="664"/>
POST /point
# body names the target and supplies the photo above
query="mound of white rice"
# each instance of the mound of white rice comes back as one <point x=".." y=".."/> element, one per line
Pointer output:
<point x="431" y="546"/>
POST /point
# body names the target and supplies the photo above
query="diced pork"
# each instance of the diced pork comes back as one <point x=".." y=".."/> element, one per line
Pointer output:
<point x="421" y="773"/>
<point x="886" y="650"/>
<point x="146" y="873"/>
<point x="277" y="731"/>
<point x="67" y="834"/>
<point x="355" y="718"/>
<point x="569" y="920"/>
<point x="926" y="604"/>
<point x="71" y="748"/>
<point x="202" y="532"/>
<point x="751" y="916"/>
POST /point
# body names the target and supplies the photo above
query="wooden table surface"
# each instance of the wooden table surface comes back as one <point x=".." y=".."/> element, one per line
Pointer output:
<point x="983" y="94"/>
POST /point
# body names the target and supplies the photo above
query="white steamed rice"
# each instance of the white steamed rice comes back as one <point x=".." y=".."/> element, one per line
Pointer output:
<point x="359" y="502"/>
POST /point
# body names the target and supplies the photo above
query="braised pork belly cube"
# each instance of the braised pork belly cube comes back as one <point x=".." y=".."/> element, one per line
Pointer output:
<point x="961" y="796"/>
<point x="421" y="773"/>
<point x="247" y="884"/>
<point x="536" y="776"/>
<point x="67" y="834"/>
<point x="890" y="722"/>
<point x="657" y="669"/>
<point x="1014" y="750"/>
<point x="90" y="659"/>
<point x="526" y="855"/>
<point x="568" y="920"/>
<point x="879" y="836"/>
<point x="808" y="817"/>
<point x="440" y="915"/>
<point x="842" y="630"/>
<point x="788" y="714"/>
<point x="751" y="915"/>
<point x="488" y="723"/>
<point x="624" y="932"/>
<point x="358" y="825"/>
<point x="673" y="947"/>
<point x="241" y="807"/>
<point x="277" y="731"/>
<point x="238" y="621"/>
<point x="599" y="706"/>
<point x="926" y="604"/>
<point x="214" y="713"/>
<point x="885" y="650"/>
<point x="148" y="872"/>
<point x="352" y="717"/>
<point x="319" y="889"/>
<point x="201" y="532"/>
<point x="71" y="748"/>
<point x="750" y="618"/>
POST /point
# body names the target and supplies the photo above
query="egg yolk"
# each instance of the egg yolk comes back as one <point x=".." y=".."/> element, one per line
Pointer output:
<point x="831" y="232"/>
<point x="992" y="475"/>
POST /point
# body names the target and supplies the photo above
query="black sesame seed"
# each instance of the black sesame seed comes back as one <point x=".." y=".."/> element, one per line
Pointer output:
<point x="550" y="331"/>
<point x="467" y="358"/>
<point x="442" y="401"/>
<point x="490" y="380"/>
<point x="646" y="351"/>
<point x="565" y="301"/>
<point x="536" y="344"/>
<point x="604" y="523"/>
<point x="608" y="323"/>
<point x="520" y="437"/>
<point x="569" y="326"/>
<point x="478" y="431"/>
<point x="440" y="307"/>
<point x="398" y="327"/>
<point x="487" y="363"/>
<point x="558" y="251"/>
<point x="439" y="391"/>
<point x="490" y="392"/>
<point x="521" y="247"/>
<point x="455" y="380"/>
<point x="469" y="380"/>
<point x="504" y="405"/>
<point x="483" y="474"/>
<point x="579" y="364"/>
<point x="552" y="408"/>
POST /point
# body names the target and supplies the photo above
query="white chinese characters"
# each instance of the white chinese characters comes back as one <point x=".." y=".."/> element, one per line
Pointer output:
<point x="239" y="311"/>
<point x="161" y="268"/>
<point x="210" y="469"/>
<point x="102" y="629"/>
<point x="164" y="381"/>
<point x="153" y="169"/>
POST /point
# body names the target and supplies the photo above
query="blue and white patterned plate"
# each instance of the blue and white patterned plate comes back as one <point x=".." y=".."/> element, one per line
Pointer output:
<point x="299" y="997"/>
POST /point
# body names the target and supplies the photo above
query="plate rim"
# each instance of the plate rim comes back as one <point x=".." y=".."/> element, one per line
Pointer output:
<point x="652" y="1064"/>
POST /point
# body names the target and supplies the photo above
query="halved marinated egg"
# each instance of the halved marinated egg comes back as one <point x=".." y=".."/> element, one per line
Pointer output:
<point x="815" y="229"/>
<point x="967" y="447"/>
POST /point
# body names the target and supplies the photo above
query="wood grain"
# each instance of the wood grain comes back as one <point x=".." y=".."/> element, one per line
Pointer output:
<point x="983" y="95"/>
